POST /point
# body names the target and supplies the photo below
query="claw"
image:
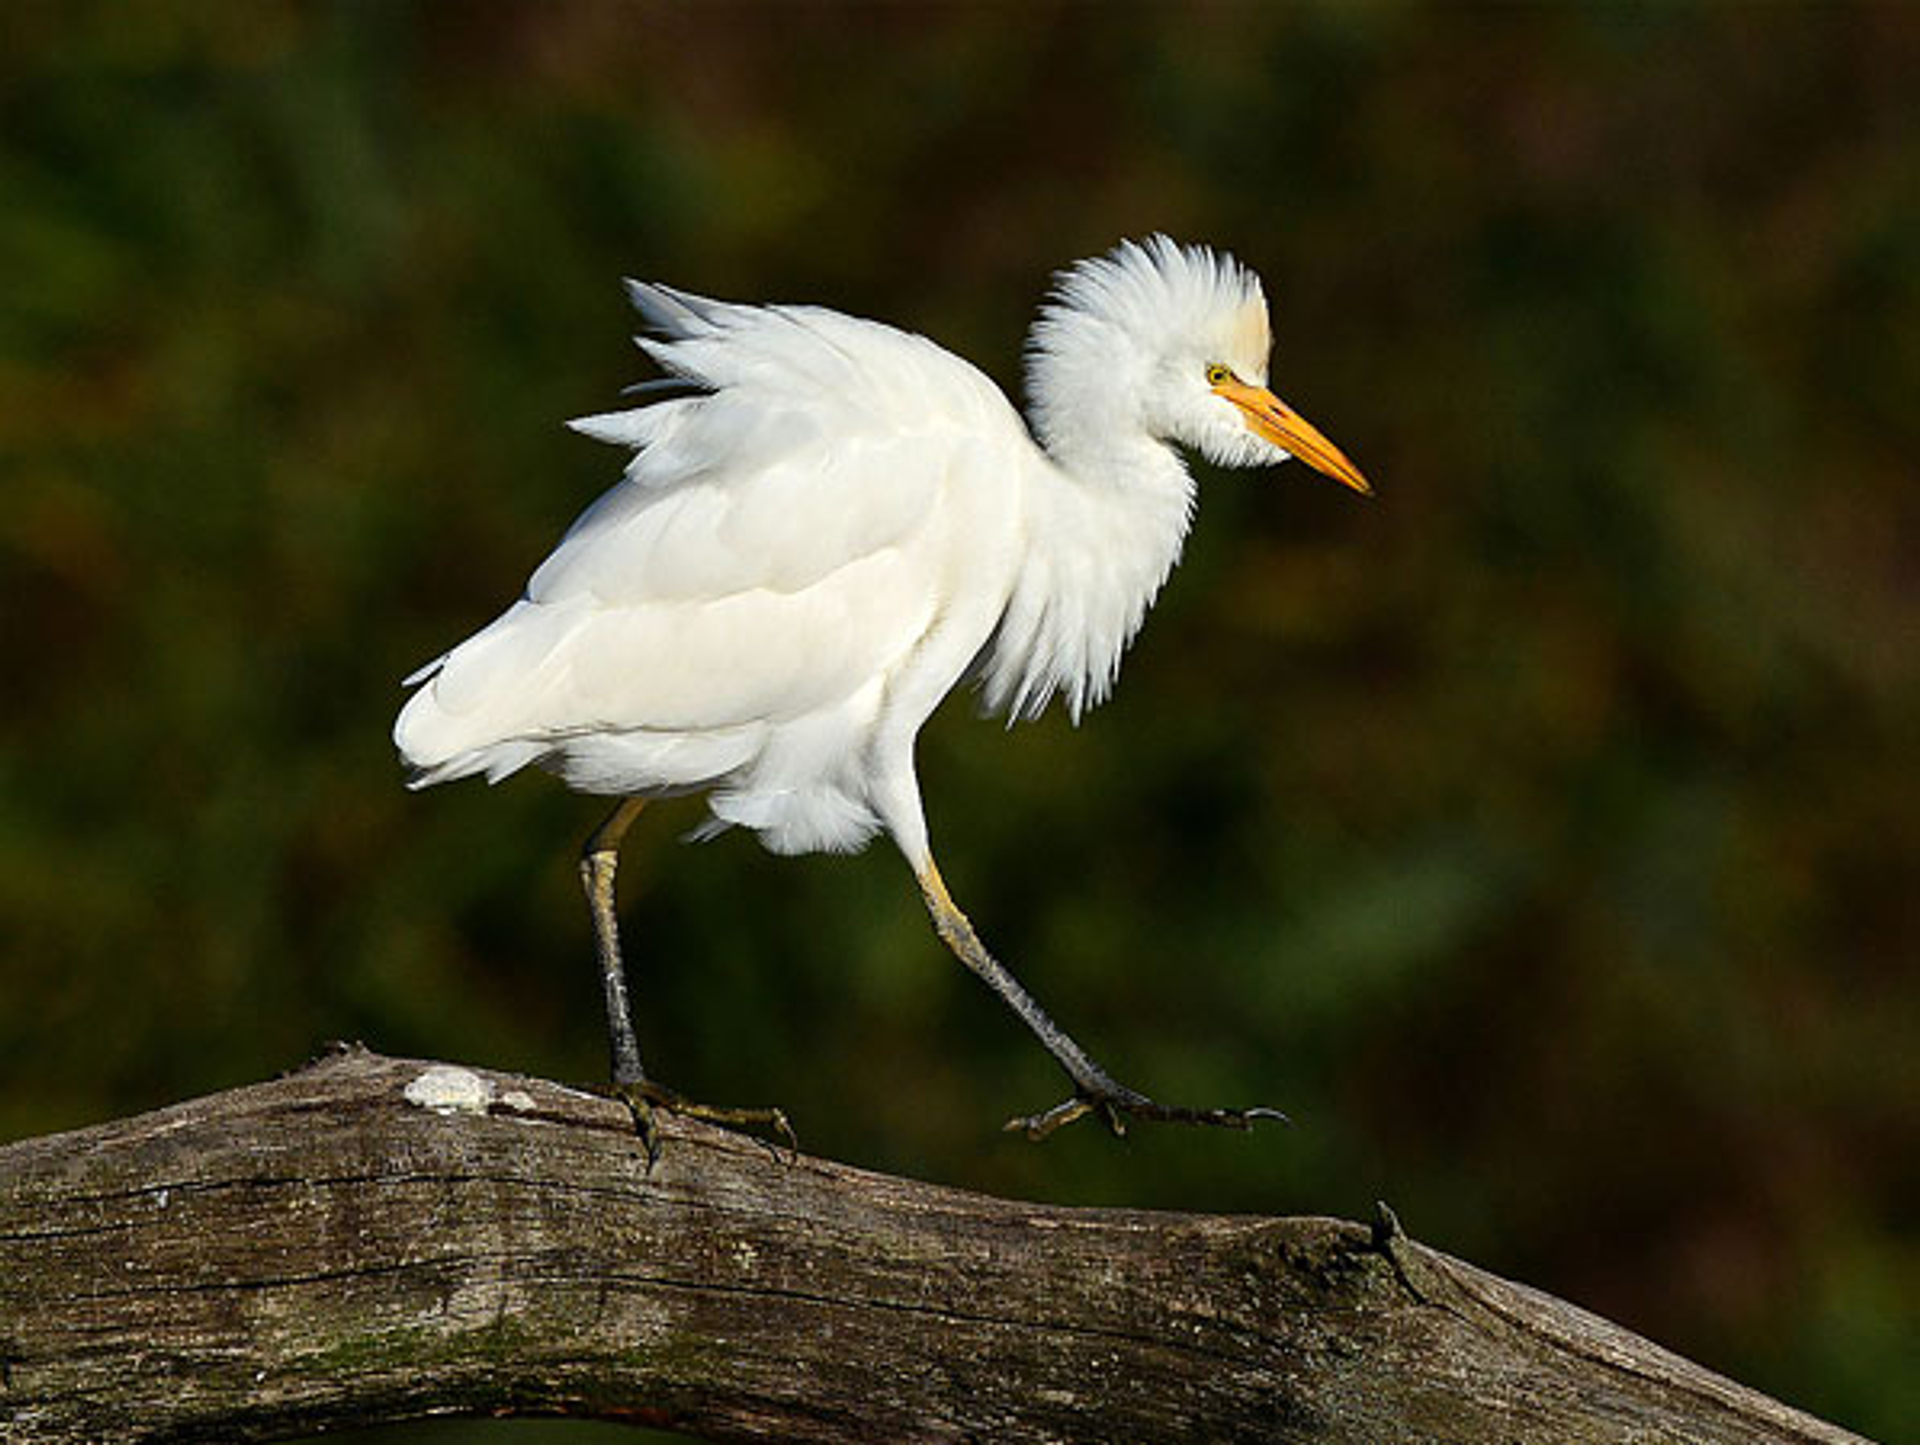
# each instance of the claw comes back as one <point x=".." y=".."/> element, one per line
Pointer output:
<point x="640" y="1110"/>
<point x="1117" y="1106"/>
<point x="643" y="1097"/>
<point x="1038" y="1126"/>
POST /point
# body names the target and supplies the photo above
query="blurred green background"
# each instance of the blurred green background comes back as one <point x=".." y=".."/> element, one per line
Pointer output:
<point x="1544" y="836"/>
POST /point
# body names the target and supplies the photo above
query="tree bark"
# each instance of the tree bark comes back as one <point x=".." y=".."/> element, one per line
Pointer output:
<point x="375" y="1239"/>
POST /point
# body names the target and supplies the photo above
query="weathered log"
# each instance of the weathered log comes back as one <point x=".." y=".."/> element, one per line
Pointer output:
<point x="375" y="1239"/>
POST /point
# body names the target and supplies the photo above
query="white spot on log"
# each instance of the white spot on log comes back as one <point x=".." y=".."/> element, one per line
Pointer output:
<point x="449" y="1090"/>
<point x="518" y="1099"/>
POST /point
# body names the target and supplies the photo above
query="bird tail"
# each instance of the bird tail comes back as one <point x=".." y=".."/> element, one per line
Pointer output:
<point x="477" y="709"/>
<point x="424" y="735"/>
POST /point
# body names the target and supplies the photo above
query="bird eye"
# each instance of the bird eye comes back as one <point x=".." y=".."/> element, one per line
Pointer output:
<point x="1218" y="375"/>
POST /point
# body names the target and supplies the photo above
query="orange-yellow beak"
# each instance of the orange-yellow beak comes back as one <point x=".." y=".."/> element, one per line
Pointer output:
<point x="1280" y="424"/>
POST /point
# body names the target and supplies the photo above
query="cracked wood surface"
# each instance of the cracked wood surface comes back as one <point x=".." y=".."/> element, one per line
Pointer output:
<point x="377" y="1239"/>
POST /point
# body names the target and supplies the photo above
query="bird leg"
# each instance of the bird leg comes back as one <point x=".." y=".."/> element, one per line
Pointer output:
<point x="1094" y="1090"/>
<point x="599" y="861"/>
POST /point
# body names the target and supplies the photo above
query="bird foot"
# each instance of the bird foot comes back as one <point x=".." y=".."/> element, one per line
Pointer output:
<point x="644" y="1098"/>
<point x="1116" y="1104"/>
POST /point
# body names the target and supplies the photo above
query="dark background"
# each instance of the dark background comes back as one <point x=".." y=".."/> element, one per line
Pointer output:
<point x="1543" y="835"/>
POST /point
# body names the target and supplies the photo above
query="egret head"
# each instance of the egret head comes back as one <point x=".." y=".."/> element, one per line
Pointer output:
<point x="1175" y="339"/>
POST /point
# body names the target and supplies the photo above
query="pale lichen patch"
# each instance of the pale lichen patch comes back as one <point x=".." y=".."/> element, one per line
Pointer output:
<point x="446" y="1089"/>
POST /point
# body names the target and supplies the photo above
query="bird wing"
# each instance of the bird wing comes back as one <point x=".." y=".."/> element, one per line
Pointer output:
<point x="775" y="546"/>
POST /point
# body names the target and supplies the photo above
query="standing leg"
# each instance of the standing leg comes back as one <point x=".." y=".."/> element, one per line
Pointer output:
<point x="599" y="861"/>
<point x="1094" y="1090"/>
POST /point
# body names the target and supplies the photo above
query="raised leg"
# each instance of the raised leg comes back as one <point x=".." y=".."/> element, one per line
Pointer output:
<point x="1094" y="1090"/>
<point x="599" y="861"/>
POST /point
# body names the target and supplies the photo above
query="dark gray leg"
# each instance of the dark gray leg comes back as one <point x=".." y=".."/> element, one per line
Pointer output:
<point x="599" y="861"/>
<point x="1094" y="1090"/>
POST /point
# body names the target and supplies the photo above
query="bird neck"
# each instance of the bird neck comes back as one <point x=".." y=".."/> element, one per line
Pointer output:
<point x="1090" y="395"/>
<point x="1109" y="515"/>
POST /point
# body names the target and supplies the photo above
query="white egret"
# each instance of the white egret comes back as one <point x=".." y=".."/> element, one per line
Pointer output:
<point x="825" y="526"/>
